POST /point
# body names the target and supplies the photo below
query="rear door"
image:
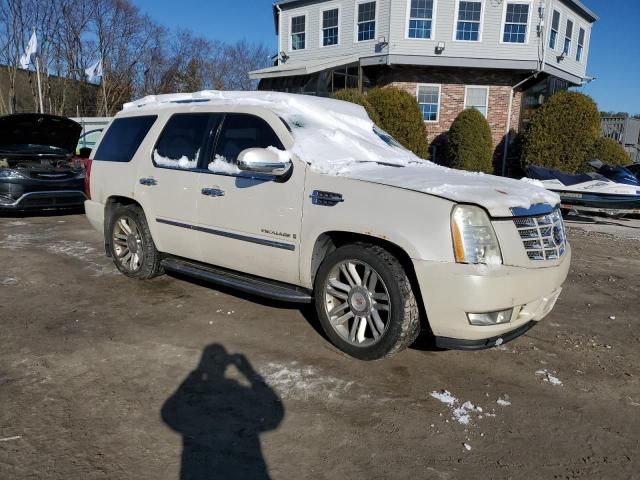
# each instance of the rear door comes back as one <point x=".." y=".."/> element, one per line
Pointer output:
<point x="168" y="187"/>
<point x="250" y="223"/>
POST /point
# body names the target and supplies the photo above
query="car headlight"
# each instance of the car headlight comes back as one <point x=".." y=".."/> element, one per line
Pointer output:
<point x="474" y="240"/>
<point x="10" y="173"/>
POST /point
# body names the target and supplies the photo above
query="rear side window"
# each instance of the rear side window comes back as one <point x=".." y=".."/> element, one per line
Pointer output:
<point x="123" y="138"/>
<point x="240" y="132"/>
<point x="182" y="139"/>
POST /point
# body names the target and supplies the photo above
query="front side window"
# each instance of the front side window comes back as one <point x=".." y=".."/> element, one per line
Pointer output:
<point x="298" y="32"/>
<point x="366" y="21"/>
<point x="330" y="33"/>
<point x="516" y="22"/>
<point x="429" y="102"/>
<point x="182" y="140"/>
<point x="478" y="98"/>
<point x="421" y="19"/>
<point x="123" y="138"/>
<point x="555" y="28"/>
<point x="468" y="22"/>
<point x="580" y="50"/>
<point x="568" y="35"/>
<point x="240" y="132"/>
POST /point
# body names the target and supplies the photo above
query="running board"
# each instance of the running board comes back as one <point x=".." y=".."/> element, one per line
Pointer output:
<point x="247" y="283"/>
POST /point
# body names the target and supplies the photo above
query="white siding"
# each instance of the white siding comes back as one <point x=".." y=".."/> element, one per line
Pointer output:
<point x="347" y="45"/>
<point x="392" y="23"/>
<point x="489" y="47"/>
<point x="569" y="64"/>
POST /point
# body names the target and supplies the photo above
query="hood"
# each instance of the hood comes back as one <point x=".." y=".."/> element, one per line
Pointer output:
<point x="499" y="196"/>
<point x="39" y="129"/>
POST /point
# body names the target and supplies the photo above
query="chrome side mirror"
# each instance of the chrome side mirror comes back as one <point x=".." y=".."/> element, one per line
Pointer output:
<point x="262" y="160"/>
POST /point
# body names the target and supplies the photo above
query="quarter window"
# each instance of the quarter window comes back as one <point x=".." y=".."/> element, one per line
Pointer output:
<point x="330" y="33"/>
<point x="421" y="19"/>
<point x="468" y="22"/>
<point x="298" y="33"/>
<point x="478" y="98"/>
<point x="182" y="140"/>
<point x="366" y="21"/>
<point x="123" y="138"/>
<point x="429" y="101"/>
<point x="515" y="23"/>
<point x="580" y="50"/>
<point x="568" y="35"/>
<point x="555" y="28"/>
<point x="240" y="132"/>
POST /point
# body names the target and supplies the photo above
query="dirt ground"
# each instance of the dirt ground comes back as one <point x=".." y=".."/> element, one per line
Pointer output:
<point x="102" y="377"/>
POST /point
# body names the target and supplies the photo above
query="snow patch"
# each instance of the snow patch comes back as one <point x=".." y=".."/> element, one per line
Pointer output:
<point x="183" y="162"/>
<point x="8" y="281"/>
<point x="503" y="403"/>
<point x="549" y="377"/>
<point x="17" y="223"/>
<point x="460" y="413"/>
<point x="299" y="382"/>
<point x="221" y="165"/>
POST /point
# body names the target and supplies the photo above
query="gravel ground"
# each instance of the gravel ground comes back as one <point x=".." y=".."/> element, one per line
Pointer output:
<point x="102" y="377"/>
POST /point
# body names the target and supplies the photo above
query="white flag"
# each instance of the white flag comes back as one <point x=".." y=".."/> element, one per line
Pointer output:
<point x="94" y="70"/>
<point x="25" y="60"/>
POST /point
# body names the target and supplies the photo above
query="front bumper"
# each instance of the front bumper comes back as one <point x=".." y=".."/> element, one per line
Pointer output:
<point x="450" y="291"/>
<point x="30" y="194"/>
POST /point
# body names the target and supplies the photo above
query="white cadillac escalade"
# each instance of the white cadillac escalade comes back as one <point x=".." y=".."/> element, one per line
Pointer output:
<point x="304" y="199"/>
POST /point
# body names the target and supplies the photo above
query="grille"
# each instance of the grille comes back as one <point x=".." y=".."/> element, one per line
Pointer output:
<point x="543" y="237"/>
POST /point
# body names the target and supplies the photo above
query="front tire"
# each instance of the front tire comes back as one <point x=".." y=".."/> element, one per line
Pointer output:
<point x="365" y="302"/>
<point x="131" y="245"/>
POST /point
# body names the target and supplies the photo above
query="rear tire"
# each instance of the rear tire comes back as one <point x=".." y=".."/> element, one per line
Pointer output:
<point x="365" y="302"/>
<point x="131" y="245"/>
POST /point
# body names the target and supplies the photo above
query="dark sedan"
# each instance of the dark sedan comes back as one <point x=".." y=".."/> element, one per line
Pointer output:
<point x="37" y="166"/>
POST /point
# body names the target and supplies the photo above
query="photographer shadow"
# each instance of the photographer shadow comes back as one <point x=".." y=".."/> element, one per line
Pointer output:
<point x="221" y="419"/>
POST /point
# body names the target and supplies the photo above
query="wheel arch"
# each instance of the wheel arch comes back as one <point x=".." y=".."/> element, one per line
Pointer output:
<point x="327" y="242"/>
<point x="111" y="205"/>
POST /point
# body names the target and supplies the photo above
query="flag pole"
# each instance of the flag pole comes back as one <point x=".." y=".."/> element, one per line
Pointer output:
<point x="104" y="94"/>
<point x="39" y="86"/>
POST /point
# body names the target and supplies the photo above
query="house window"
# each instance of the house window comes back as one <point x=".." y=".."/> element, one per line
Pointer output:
<point x="366" y="21"/>
<point x="468" y="25"/>
<point x="555" y="28"/>
<point x="420" y="19"/>
<point x="516" y="22"/>
<point x="568" y="35"/>
<point x="298" y="34"/>
<point x="429" y="101"/>
<point x="580" y="50"/>
<point x="330" y="33"/>
<point x="478" y="98"/>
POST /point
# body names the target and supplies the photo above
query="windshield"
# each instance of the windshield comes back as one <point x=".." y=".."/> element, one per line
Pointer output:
<point x="388" y="139"/>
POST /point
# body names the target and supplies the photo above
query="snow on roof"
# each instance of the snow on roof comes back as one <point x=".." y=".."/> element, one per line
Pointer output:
<point x="339" y="138"/>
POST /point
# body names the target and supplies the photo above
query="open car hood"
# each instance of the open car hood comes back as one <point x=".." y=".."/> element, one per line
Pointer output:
<point x="39" y="129"/>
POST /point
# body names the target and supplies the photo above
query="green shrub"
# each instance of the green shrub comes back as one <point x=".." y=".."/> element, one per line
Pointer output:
<point x="609" y="151"/>
<point x="354" y="96"/>
<point x="562" y="133"/>
<point x="400" y="116"/>
<point x="469" y="143"/>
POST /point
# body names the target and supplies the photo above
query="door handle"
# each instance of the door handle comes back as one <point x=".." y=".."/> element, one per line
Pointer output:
<point x="213" y="192"/>
<point x="148" y="181"/>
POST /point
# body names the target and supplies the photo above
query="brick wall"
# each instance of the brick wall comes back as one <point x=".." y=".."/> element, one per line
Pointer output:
<point x="452" y="91"/>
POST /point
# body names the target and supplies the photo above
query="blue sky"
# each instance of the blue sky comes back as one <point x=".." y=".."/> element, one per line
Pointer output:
<point x="614" y="57"/>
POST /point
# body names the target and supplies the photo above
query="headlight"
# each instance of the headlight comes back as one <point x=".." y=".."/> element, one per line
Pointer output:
<point x="10" y="173"/>
<point x="474" y="240"/>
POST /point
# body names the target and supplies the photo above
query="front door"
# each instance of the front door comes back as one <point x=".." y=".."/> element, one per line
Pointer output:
<point x="168" y="187"/>
<point x="250" y="224"/>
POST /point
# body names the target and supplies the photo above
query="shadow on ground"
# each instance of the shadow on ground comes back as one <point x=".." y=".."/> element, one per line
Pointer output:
<point x="221" y="418"/>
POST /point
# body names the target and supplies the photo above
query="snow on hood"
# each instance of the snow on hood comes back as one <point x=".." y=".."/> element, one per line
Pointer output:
<point x="338" y="138"/>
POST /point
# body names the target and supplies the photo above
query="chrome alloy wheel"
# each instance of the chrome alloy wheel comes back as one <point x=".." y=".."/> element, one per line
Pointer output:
<point x="357" y="303"/>
<point x="127" y="244"/>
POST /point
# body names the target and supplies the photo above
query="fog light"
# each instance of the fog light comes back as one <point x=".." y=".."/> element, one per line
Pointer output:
<point x="491" y="318"/>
